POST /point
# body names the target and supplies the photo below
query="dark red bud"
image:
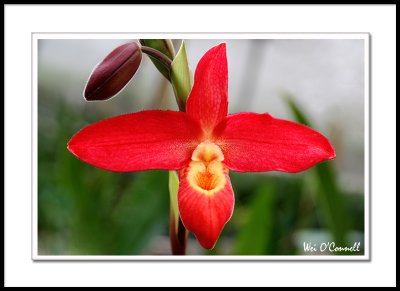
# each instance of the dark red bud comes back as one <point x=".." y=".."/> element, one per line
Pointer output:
<point x="112" y="74"/>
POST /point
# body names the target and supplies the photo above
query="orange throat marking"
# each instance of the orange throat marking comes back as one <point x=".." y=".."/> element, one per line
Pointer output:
<point x="206" y="173"/>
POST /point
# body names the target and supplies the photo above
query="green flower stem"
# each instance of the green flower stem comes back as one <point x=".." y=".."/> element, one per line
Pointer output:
<point x="166" y="61"/>
<point x="181" y="83"/>
<point x="177" y="232"/>
<point x="178" y="74"/>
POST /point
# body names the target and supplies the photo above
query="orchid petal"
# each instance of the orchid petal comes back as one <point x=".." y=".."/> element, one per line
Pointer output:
<point x="205" y="200"/>
<point x="208" y="99"/>
<point x="145" y="140"/>
<point x="254" y="142"/>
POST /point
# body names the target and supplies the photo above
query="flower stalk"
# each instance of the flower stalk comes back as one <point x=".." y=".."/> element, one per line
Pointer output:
<point x="178" y="236"/>
<point x="181" y="83"/>
<point x="177" y="232"/>
<point x="159" y="56"/>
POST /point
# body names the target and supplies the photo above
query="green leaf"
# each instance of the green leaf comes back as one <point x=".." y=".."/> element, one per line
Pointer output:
<point x="166" y="47"/>
<point x="297" y="113"/>
<point x="173" y="185"/>
<point x="329" y="196"/>
<point x="255" y="237"/>
<point x="181" y="77"/>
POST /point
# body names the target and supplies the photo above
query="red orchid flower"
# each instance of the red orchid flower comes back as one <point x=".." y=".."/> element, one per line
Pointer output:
<point x="202" y="143"/>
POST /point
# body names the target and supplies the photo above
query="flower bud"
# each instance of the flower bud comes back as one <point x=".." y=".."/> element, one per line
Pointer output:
<point x="112" y="74"/>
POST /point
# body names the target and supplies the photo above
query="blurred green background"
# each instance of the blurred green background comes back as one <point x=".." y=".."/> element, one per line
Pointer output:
<point x="83" y="210"/>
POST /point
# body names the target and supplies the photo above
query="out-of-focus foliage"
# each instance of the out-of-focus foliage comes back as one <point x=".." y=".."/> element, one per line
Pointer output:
<point x="87" y="211"/>
<point x="329" y="196"/>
